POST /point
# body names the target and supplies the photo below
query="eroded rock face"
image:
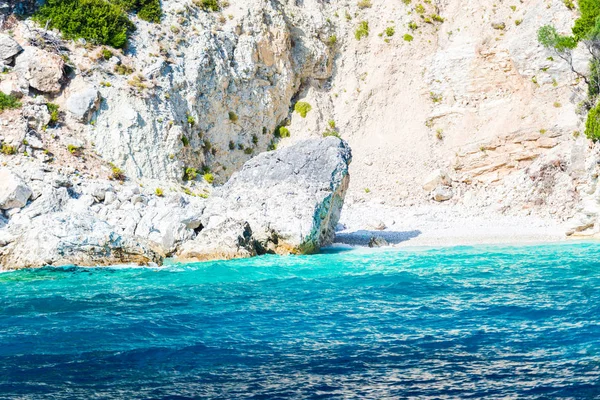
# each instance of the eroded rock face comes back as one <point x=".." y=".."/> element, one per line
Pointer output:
<point x="233" y="79"/>
<point x="69" y="221"/>
<point x="80" y="239"/>
<point x="43" y="70"/>
<point x="14" y="193"/>
<point x="286" y="202"/>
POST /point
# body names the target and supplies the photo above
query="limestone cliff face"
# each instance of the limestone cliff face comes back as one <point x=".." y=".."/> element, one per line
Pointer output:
<point x="475" y="96"/>
<point x="447" y="101"/>
<point x="208" y="90"/>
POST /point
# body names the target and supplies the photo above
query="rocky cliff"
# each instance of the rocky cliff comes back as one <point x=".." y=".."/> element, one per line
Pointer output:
<point x="286" y="202"/>
<point x="449" y="105"/>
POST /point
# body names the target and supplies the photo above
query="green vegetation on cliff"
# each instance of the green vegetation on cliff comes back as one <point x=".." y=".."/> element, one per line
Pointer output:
<point x="98" y="21"/>
<point x="590" y="10"/>
<point x="587" y="31"/>
<point x="8" y="102"/>
<point x="148" y="10"/>
<point x="592" y="125"/>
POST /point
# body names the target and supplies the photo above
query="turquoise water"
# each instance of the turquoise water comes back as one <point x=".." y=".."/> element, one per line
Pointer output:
<point x="467" y="322"/>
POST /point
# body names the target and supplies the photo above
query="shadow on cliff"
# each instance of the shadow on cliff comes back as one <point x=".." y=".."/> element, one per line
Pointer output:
<point x="365" y="238"/>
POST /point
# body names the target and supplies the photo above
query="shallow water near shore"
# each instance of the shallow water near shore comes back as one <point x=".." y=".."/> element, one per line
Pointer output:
<point x="468" y="322"/>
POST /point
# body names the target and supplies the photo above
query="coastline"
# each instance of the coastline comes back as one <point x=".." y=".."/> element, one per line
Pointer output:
<point x="439" y="226"/>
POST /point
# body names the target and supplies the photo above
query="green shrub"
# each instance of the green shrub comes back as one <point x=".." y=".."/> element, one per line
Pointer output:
<point x="107" y="54"/>
<point x="390" y="31"/>
<point x="148" y="10"/>
<point x="75" y="150"/>
<point x="551" y="39"/>
<point x="590" y="11"/>
<point x="283" y="132"/>
<point x="123" y="69"/>
<point x="54" y="113"/>
<point x="117" y="174"/>
<point x="209" y="178"/>
<point x="408" y="38"/>
<point x="233" y="117"/>
<point x="8" y="102"/>
<point x="436" y="98"/>
<point x="208" y="5"/>
<point x="362" y="30"/>
<point x="592" y="125"/>
<point x="302" y="108"/>
<point x="185" y="141"/>
<point x="8" y="149"/>
<point x="190" y="174"/>
<point x="98" y="21"/>
<point x="159" y="192"/>
<point x="364" y="4"/>
<point x="331" y="132"/>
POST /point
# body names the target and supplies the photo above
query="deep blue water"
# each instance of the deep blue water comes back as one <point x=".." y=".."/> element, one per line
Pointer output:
<point x="466" y="322"/>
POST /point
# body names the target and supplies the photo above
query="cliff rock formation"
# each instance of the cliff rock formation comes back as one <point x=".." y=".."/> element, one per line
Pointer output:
<point x="452" y="108"/>
<point x="285" y="202"/>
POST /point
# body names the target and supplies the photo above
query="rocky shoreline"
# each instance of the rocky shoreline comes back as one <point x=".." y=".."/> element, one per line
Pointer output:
<point x="286" y="202"/>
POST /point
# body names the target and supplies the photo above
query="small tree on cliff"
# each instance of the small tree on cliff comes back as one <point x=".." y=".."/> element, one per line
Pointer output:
<point x="561" y="45"/>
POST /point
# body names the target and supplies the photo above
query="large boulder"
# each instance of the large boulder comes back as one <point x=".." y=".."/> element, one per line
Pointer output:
<point x="66" y="238"/>
<point x="41" y="69"/>
<point x="285" y="202"/>
<point x="14" y="193"/>
<point x="8" y="48"/>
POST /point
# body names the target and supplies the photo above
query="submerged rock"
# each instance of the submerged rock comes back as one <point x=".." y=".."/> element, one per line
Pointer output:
<point x="285" y="202"/>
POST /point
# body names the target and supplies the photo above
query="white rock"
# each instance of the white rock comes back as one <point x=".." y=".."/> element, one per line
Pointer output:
<point x="43" y="70"/>
<point x="442" y="193"/>
<point x="83" y="103"/>
<point x="280" y="202"/>
<point x="68" y="238"/>
<point x="109" y="198"/>
<point x="435" y="178"/>
<point x="8" y="47"/>
<point x="14" y="193"/>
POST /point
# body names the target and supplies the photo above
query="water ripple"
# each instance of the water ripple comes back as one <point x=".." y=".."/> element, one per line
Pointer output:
<point x="490" y="322"/>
